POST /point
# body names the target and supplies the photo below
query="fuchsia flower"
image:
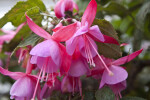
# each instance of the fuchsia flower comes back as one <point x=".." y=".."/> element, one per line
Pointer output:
<point x="48" y="54"/>
<point x="71" y="84"/>
<point x="64" y="5"/>
<point x="9" y="34"/>
<point x="119" y="74"/>
<point x="85" y="36"/>
<point x="24" y="86"/>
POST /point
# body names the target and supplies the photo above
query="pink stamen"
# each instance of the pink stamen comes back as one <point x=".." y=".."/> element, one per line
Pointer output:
<point x="37" y="84"/>
<point x="88" y="53"/>
<point x="109" y="72"/>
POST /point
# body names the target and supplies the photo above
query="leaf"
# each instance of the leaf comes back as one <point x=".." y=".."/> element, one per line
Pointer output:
<point x="108" y="50"/>
<point x="141" y="15"/>
<point x="16" y="14"/>
<point x="89" y="95"/>
<point x="132" y="98"/>
<point x="30" y="40"/>
<point x="105" y="94"/>
<point x="115" y="8"/>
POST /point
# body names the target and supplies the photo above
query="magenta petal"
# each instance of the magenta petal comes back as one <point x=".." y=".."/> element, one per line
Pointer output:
<point x="13" y="75"/>
<point x="118" y="87"/>
<point x="46" y="49"/>
<point x="71" y="45"/>
<point x="66" y="85"/>
<point x="89" y="13"/>
<point x="119" y="75"/>
<point x="65" y="33"/>
<point x="82" y="30"/>
<point x="126" y="59"/>
<point x="20" y="27"/>
<point x="23" y="87"/>
<point x="68" y="5"/>
<point x="37" y="30"/>
<point x="79" y="67"/>
<point x="60" y="9"/>
<point x="7" y="37"/>
<point x="109" y="39"/>
<point x="65" y="65"/>
<point x="48" y="64"/>
<point x="95" y="31"/>
<point x="33" y="59"/>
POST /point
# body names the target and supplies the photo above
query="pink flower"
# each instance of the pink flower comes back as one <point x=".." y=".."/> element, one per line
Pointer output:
<point x="9" y="34"/>
<point x="119" y="73"/>
<point x="79" y="67"/>
<point x="85" y="36"/>
<point x="24" y="86"/>
<point x="71" y="84"/>
<point x="64" y="5"/>
<point x="48" y="54"/>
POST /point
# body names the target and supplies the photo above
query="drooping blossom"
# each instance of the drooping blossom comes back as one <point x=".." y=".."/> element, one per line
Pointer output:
<point x="24" y="86"/>
<point x="48" y="54"/>
<point x="119" y="74"/>
<point x="9" y="34"/>
<point x="85" y="36"/>
<point x="64" y="5"/>
<point x="71" y="84"/>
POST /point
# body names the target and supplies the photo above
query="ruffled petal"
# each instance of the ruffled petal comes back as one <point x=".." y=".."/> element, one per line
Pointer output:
<point x="46" y="49"/>
<point x="23" y="87"/>
<point x="95" y="31"/>
<point x="36" y="29"/>
<point x="65" y="33"/>
<point x="13" y="75"/>
<point x="89" y="13"/>
<point x="79" y="67"/>
<point x="126" y="59"/>
<point x="119" y="75"/>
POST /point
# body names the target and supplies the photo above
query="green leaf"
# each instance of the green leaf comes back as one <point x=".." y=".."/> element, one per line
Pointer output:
<point x="132" y="98"/>
<point x="105" y="94"/>
<point x="115" y="8"/>
<point x="30" y="40"/>
<point x="89" y="95"/>
<point x="16" y="14"/>
<point x="141" y="15"/>
<point x="108" y="50"/>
